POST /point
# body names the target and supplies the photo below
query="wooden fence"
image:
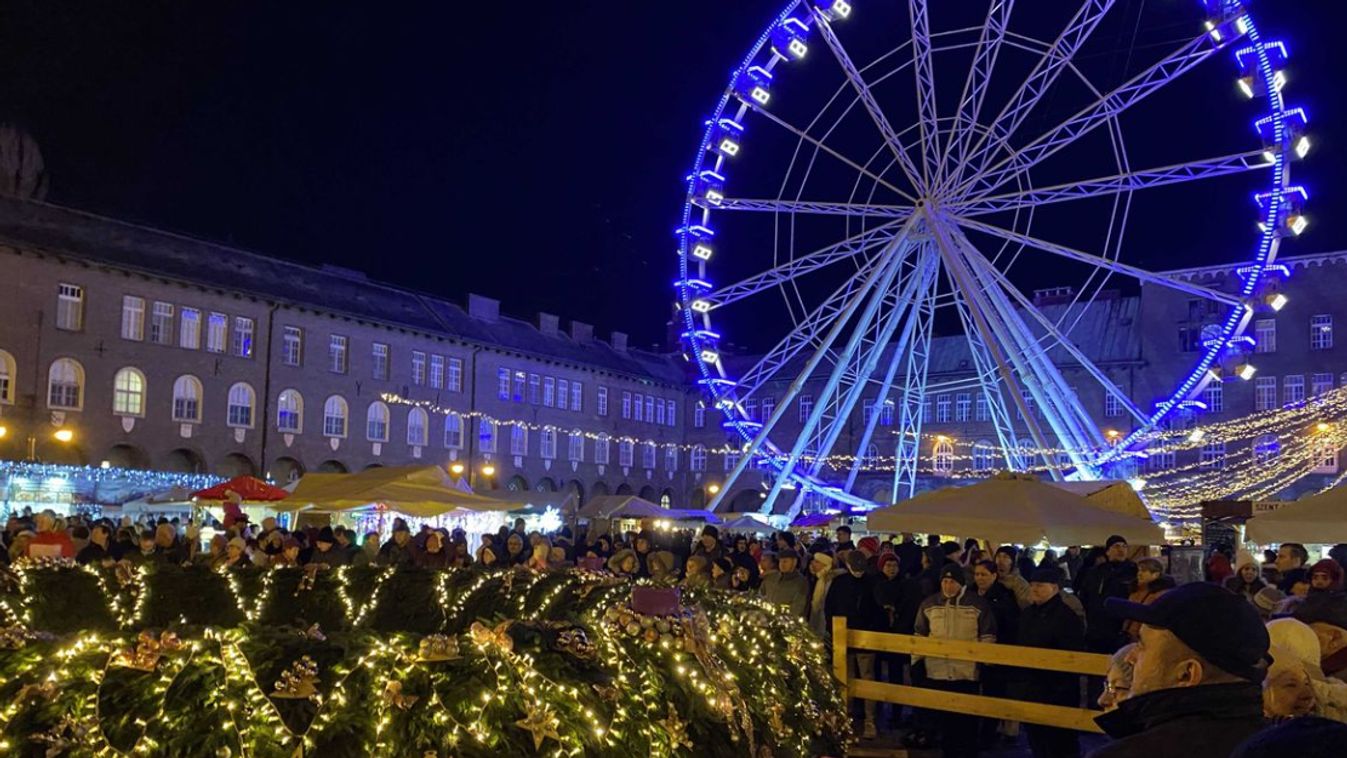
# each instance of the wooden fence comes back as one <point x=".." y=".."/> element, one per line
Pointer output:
<point x="1081" y="719"/>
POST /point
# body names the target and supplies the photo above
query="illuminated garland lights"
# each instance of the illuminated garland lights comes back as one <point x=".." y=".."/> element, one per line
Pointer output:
<point x="540" y="671"/>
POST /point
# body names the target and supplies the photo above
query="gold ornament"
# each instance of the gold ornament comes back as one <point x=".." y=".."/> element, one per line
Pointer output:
<point x="438" y="647"/>
<point x="147" y="652"/>
<point x="541" y="723"/>
<point x="676" y="729"/>
<point x="298" y="682"/>
<point x="499" y="637"/>
<point x="775" y="720"/>
<point x="394" y="696"/>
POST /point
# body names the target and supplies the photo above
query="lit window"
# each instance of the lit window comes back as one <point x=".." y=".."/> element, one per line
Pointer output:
<point x="520" y="379"/>
<point x="437" y="372"/>
<point x="1266" y="447"/>
<point x="1265" y="335"/>
<point x="1293" y="389"/>
<point x="69" y="307"/>
<point x="376" y="422"/>
<point x="290" y="412"/>
<point x="519" y="440"/>
<point x="942" y="409"/>
<point x="640" y="407"/>
<point x="535" y="389"/>
<point x="650" y="408"/>
<point x="418" y="422"/>
<point x="547" y="445"/>
<point x="563" y="393"/>
<point x="603" y="401"/>
<point x="659" y="411"/>
<point x="1321" y="332"/>
<point x="292" y="345"/>
<point x="189" y="329"/>
<point x="453" y="431"/>
<point x="240" y="406"/>
<point x="335" y="413"/>
<point x="455" y="375"/>
<point x="503" y="384"/>
<point x="577" y="396"/>
<point x="128" y="393"/>
<point x="243" y="337"/>
<point x="65" y="385"/>
<point x="161" y="324"/>
<point x="626" y="404"/>
<point x="1112" y="407"/>
<point x="671" y="411"/>
<point x="575" y="447"/>
<point x="550" y="392"/>
<point x="1214" y="397"/>
<point x="697" y="460"/>
<point x="942" y="456"/>
<point x="187" y="399"/>
<point x="217" y="331"/>
<point x="8" y="374"/>
<point x="418" y="368"/>
<point x="133" y="318"/>
<point x="337" y="346"/>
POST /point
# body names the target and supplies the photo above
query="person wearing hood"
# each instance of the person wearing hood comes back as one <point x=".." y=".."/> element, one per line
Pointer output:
<point x="786" y="585"/>
<point x="696" y="573"/>
<point x="742" y="556"/>
<point x="852" y="595"/>
<point x="435" y="554"/>
<point x="398" y="551"/>
<point x="1009" y="576"/>
<point x="515" y="554"/>
<point x="289" y="555"/>
<point x="326" y="552"/>
<point x="1151" y="583"/>
<point x="1196" y="677"/>
<point x="602" y="547"/>
<point x="1247" y="579"/>
<point x="821" y="573"/>
<point x="954" y="613"/>
<point x="661" y="567"/>
<point x="624" y="563"/>
<point x="487" y="560"/>
<point x="1326" y="576"/>
<point x="1297" y="665"/>
<point x="1048" y="623"/>
<point x="459" y="555"/>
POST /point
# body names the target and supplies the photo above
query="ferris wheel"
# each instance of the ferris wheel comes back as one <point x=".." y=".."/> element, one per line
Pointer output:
<point x="886" y="183"/>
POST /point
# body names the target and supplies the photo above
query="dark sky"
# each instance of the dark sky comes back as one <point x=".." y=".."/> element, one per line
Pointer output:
<point x="529" y="151"/>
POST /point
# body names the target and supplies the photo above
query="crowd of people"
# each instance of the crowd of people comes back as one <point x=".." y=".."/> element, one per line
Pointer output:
<point x="1195" y="669"/>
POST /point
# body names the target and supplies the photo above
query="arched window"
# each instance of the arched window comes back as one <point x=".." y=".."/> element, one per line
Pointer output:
<point x="187" y="399"/>
<point x="65" y="385"/>
<point x="871" y="457"/>
<point x="624" y="453"/>
<point x="547" y="447"/>
<point x="601" y="450"/>
<point x="671" y="457"/>
<point x="335" y="413"/>
<point x="943" y="456"/>
<point x="697" y="461"/>
<point x="486" y="436"/>
<point x="241" y="402"/>
<point x="418" y="423"/>
<point x="576" y="446"/>
<point x="648" y="455"/>
<point x="1266" y="447"/>
<point x="376" y="422"/>
<point x="9" y="373"/>
<point x="519" y="440"/>
<point x="453" y="431"/>
<point x="984" y="455"/>
<point x="290" y="412"/>
<point x="128" y="392"/>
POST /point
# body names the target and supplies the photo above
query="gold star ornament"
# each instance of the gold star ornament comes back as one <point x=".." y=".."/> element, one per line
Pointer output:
<point x="541" y="723"/>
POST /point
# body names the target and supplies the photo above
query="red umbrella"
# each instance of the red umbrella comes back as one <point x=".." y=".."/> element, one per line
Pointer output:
<point x="242" y="488"/>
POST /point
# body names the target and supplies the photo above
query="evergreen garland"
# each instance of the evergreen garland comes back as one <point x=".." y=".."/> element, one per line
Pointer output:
<point x="551" y="663"/>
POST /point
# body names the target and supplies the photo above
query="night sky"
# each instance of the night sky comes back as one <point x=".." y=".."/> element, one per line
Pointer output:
<point x="527" y="151"/>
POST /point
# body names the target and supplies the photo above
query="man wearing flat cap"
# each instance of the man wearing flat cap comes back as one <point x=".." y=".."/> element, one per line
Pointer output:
<point x="1197" y="670"/>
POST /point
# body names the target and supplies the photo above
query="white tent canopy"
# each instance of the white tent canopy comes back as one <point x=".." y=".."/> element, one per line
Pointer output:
<point x="422" y="491"/>
<point x="1013" y="508"/>
<point x="1318" y="519"/>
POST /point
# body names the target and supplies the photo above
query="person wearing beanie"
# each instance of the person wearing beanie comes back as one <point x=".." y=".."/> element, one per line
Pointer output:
<point x="708" y="545"/>
<point x="1326" y="576"/>
<point x="1114" y="578"/>
<point x="325" y="550"/>
<point x="398" y="551"/>
<point x="868" y="545"/>
<point x="1267" y="600"/>
<point x="955" y="613"/>
<point x="1196" y="679"/>
<point x="1048" y="623"/>
<point x="1247" y="579"/>
<point x="852" y="595"/>
<point x="1008" y="574"/>
<point x="722" y="570"/>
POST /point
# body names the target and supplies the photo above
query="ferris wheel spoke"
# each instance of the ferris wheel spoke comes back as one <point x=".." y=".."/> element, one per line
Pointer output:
<point x="975" y="84"/>
<point x="1179" y="173"/>
<point x="1100" y="111"/>
<point x="912" y="398"/>
<point x="985" y="371"/>
<point x="812" y="207"/>
<point x="867" y="98"/>
<point x="1053" y="62"/>
<point x="928" y="121"/>
<point x="988" y="271"/>
<point x="1140" y="274"/>
<point x="821" y="145"/>
<point x="850" y="247"/>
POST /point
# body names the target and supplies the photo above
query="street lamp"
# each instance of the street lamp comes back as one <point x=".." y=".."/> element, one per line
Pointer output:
<point x="488" y="470"/>
<point x="456" y="469"/>
<point x="64" y="435"/>
<point x="713" y="488"/>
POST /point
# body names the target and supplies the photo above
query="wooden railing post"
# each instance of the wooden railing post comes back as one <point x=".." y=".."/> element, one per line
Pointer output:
<point x="840" y="652"/>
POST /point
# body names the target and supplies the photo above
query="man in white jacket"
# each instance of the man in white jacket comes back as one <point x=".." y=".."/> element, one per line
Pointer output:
<point x="953" y="613"/>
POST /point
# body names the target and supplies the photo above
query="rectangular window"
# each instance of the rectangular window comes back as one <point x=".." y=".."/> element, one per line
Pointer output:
<point x="942" y="409"/>
<point x="563" y="393"/>
<point x="768" y="406"/>
<point x="133" y="318"/>
<point x="1214" y="397"/>
<point x="1265" y="335"/>
<point x="243" y="337"/>
<point x="649" y="407"/>
<point x="519" y="440"/>
<point x="1264" y="393"/>
<point x="659" y="411"/>
<point x="161" y="324"/>
<point x="671" y="411"/>
<point x="338" y="348"/>
<point x="548" y="445"/>
<point x="379" y="360"/>
<point x="486" y="436"/>
<point x="640" y="407"/>
<point x="577" y="396"/>
<point x="437" y="372"/>
<point x="624" y="453"/>
<point x="806" y="407"/>
<point x="1321" y="384"/>
<point x="671" y="458"/>
<point x="751" y="409"/>
<point x="626" y="404"/>
<point x="189" y="329"/>
<point x="1321" y="331"/>
<point x="502" y="384"/>
<point x="455" y="375"/>
<point x="1213" y="455"/>
<point x="886" y="413"/>
<point x="731" y="459"/>
<point x="217" y="331"/>
<point x="982" y="410"/>
<point x="292" y="345"/>
<point x="549" y="391"/>
<point x="418" y="368"/>
<point x="1112" y="408"/>
<point x="520" y="381"/>
<point x="535" y="389"/>
<point x="70" y="307"/>
<point x="699" y="416"/>
<point x="1293" y="389"/>
<point x="1190" y="338"/>
<point x="867" y="409"/>
<point x="453" y="431"/>
<point x="963" y="403"/>
<point x="603" y="401"/>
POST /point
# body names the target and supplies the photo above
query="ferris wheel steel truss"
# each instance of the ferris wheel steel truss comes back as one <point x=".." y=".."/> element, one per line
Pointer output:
<point x="944" y="175"/>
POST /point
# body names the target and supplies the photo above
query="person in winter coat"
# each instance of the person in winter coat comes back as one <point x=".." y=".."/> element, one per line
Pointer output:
<point x="708" y="545"/>
<point x="821" y="573"/>
<point x="398" y="551"/>
<point x="1326" y="576"/>
<point x="1195" y="678"/>
<point x="852" y="595"/>
<point x="1006" y="611"/>
<point x="1296" y="665"/>
<point x="661" y="565"/>
<point x="1008" y="574"/>
<point x="435" y="554"/>
<point x="325" y="550"/>
<point x="697" y="574"/>
<point x="1248" y="579"/>
<point x="1152" y="582"/>
<point x="722" y="570"/>
<point x="955" y="613"/>
<point x="1048" y="623"/>
<point x="515" y="552"/>
<point x="787" y="586"/>
<point x="1111" y="579"/>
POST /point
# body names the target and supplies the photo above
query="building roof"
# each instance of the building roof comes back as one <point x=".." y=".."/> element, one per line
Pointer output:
<point x="71" y="233"/>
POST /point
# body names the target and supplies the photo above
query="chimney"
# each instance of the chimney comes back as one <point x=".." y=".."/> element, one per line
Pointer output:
<point x="619" y="341"/>
<point x="548" y="324"/>
<point x="581" y="332"/>
<point x="483" y="308"/>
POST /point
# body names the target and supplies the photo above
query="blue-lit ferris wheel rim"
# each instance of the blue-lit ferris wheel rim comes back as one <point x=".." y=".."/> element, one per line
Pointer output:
<point x="712" y="374"/>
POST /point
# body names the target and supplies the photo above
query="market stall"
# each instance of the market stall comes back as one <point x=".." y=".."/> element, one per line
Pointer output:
<point x="1318" y="519"/>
